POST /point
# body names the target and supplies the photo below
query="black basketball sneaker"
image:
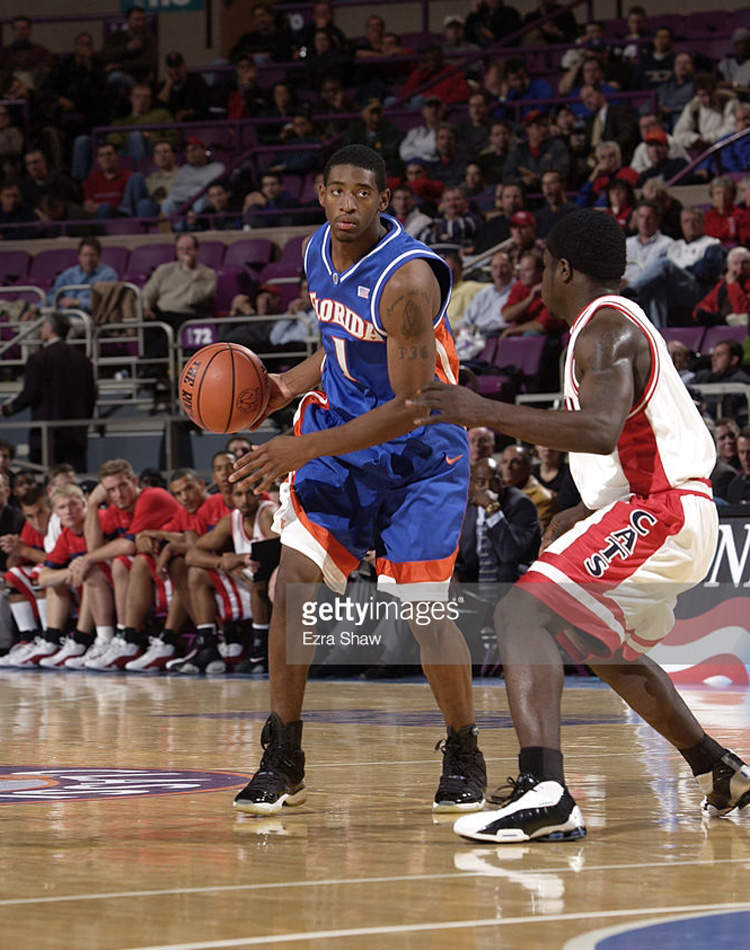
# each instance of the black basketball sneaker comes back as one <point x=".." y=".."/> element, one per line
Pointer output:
<point x="533" y="810"/>
<point x="726" y="786"/>
<point x="464" y="779"/>
<point x="279" y="781"/>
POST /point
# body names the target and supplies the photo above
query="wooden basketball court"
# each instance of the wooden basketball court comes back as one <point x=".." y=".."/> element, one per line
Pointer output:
<point x="117" y="833"/>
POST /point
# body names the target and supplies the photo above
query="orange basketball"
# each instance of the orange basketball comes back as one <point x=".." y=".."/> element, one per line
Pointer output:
<point x="224" y="388"/>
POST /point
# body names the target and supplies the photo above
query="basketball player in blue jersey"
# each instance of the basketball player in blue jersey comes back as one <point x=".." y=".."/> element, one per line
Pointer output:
<point x="362" y="476"/>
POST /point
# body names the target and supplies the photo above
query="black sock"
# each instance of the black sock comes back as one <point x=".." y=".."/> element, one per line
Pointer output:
<point x="207" y="633"/>
<point x="85" y="638"/>
<point x="259" y="647"/>
<point x="544" y="764"/>
<point x="704" y="755"/>
<point x="53" y="635"/>
<point x="169" y="636"/>
<point x="132" y="635"/>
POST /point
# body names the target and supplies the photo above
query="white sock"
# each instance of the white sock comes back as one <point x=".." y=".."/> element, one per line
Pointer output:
<point x="41" y="606"/>
<point x="23" y="616"/>
<point x="104" y="634"/>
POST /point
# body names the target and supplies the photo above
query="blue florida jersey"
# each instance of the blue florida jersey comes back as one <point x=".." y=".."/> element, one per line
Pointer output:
<point x="355" y="370"/>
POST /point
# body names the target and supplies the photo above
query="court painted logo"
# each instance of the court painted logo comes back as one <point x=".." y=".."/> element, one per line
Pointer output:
<point x="23" y="784"/>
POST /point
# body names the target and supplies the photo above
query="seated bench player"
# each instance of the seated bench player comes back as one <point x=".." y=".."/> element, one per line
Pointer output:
<point x="158" y="574"/>
<point x="110" y="541"/>
<point x="221" y="584"/>
<point x="25" y="552"/>
<point x="64" y="596"/>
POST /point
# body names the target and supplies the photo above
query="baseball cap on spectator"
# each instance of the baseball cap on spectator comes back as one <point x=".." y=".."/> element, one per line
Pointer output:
<point x="657" y="136"/>
<point x="628" y="174"/>
<point x="740" y="35"/>
<point x="453" y="18"/>
<point x="175" y="59"/>
<point x="196" y="141"/>
<point x="523" y="219"/>
<point x="428" y="99"/>
<point x="534" y="116"/>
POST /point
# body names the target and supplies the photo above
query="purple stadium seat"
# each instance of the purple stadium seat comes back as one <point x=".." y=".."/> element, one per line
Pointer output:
<point x="146" y="258"/>
<point x="277" y="269"/>
<point x="690" y="336"/>
<point x="672" y="20"/>
<point x="291" y="252"/>
<point x="14" y="266"/>
<point x="117" y="257"/>
<point x="46" y="265"/>
<point x="211" y="253"/>
<point x="715" y="335"/>
<point x="419" y="40"/>
<point x="122" y="226"/>
<point x="288" y="293"/>
<point x="706" y="21"/>
<point x="523" y="353"/>
<point x="228" y="285"/>
<point x="248" y="252"/>
<point x="293" y="185"/>
<point x="309" y="191"/>
<point x="739" y="17"/>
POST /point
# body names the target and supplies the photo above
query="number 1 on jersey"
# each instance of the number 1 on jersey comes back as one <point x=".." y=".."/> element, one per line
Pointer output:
<point x="340" y="347"/>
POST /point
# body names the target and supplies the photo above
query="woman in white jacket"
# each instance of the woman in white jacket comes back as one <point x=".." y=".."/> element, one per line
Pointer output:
<point x="707" y="117"/>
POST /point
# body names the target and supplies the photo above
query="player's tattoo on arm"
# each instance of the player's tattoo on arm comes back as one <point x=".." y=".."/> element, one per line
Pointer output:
<point x="412" y="310"/>
<point x="414" y="353"/>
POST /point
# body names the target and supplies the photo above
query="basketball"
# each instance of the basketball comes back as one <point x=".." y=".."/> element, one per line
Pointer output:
<point x="224" y="388"/>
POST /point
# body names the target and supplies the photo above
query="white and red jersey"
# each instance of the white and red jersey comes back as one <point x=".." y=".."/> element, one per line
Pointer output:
<point x="242" y="543"/>
<point x="664" y="444"/>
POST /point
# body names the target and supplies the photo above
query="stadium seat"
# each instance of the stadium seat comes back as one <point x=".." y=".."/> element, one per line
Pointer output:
<point x="706" y="21"/>
<point x="291" y="253"/>
<point x="46" y="265"/>
<point x="211" y="253"/>
<point x="249" y="252"/>
<point x="690" y="336"/>
<point x="14" y="266"/>
<point x="715" y="335"/>
<point x="516" y="359"/>
<point x="146" y="258"/>
<point x="277" y="269"/>
<point x="117" y="257"/>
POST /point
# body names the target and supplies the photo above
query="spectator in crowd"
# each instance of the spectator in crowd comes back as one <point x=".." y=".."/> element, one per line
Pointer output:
<point x="522" y="236"/>
<point x="669" y="207"/>
<point x="556" y="205"/>
<point x="324" y="58"/>
<point x="222" y="211"/>
<point x="522" y="88"/>
<point x="268" y="39"/>
<point x="655" y="65"/>
<point x="270" y="197"/>
<point x="539" y="153"/>
<point x="333" y="99"/>
<point x="550" y="470"/>
<point x="483" y="317"/>
<point x="11" y="518"/>
<point x="89" y="270"/>
<point x="74" y="87"/>
<point x="493" y="156"/>
<point x="393" y="49"/>
<point x="304" y="134"/>
<point x="509" y="199"/>
<point x="450" y="87"/>
<point x="738" y="492"/>
<point x="607" y="164"/>
<point x="7" y="454"/>
<point x="372" y="44"/>
<point x="481" y="443"/>
<point x="727" y="466"/>
<point x="638" y="29"/>
<point x="501" y="533"/>
<point x="648" y="244"/>
<point x="463" y="291"/>
<point x="494" y="82"/>
<point x="725" y="220"/>
<point x="708" y="116"/>
<point x="726" y="367"/>
<point x="657" y="153"/>
<point x="246" y="99"/>
<point x="474" y="131"/>
<point x="159" y="183"/>
<point x="455" y="225"/>
<point x="21" y="57"/>
<point x="192" y="177"/>
<point x="735" y="70"/>
<point x="455" y="43"/>
<point x="322" y="19"/>
<point x="683" y="276"/>
<point x="450" y="165"/>
<point x="13" y="211"/>
<point x="561" y="28"/>
<point x="682" y="359"/>
<point x="729" y="301"/>
<point x="475" y="190"/>
<point x="620" y="202"/>
<point x="642" y="159"/>
<point x="39" y="180"/>
<point x="181" y="290"/>
<point x="404" y="209"/>
<point x="108" y="190"/>
<point x="281" y="105"/>
<point x="377" y="131"/>
<point x="48" y="392"/>
<point x="586" y="70"/>
<point x="735" y="157"/>
<point x="608" y="123"/>
<point x="11" y="144"/>
<point x="490" y="21"/>
<point x="428" y="190"/>
<point x="515" y="466"/>
<point x="184" y="95"/>
<point x="130" y="55"/>
<point x="673" y="95"/>
<point x="525" y="311"/>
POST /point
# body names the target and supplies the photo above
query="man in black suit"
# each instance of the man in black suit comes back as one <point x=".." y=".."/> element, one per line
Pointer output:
<point x="506" y="518"/>
<point x="58" y="383"/>
<point x="608" y="123"/>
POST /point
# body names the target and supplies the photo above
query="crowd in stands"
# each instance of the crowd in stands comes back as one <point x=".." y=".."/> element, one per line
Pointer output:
<point x="477" y="164"/>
